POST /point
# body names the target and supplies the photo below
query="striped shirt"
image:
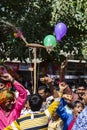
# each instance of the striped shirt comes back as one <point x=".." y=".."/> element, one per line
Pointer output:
<point x="35" y="120"/>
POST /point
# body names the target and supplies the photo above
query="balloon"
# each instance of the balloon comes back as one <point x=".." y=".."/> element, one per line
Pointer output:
<point x="50" y="40"/>
<point x="60" y="31"/>
<point x="58" y="38"/>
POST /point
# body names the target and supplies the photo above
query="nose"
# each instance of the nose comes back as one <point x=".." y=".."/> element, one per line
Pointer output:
<point x="80" y="109"/>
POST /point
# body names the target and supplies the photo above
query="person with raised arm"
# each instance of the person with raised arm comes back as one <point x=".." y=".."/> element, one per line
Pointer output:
<point x="10" y="107"/>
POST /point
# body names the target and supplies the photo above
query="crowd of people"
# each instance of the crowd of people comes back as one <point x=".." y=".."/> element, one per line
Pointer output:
<point x="54" y="106"/>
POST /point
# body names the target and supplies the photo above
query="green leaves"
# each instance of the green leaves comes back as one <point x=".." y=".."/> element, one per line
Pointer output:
<point x="36" y="19"/>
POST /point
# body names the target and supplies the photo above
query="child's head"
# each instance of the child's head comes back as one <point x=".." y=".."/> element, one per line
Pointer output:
<point x="77" y="107"/>
<point x="35" y="102"/>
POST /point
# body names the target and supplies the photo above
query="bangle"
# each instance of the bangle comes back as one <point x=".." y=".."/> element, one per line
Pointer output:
<point x="12" y="81"/>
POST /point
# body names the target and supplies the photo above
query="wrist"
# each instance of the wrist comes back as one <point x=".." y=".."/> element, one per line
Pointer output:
<point x="12" y="80"/>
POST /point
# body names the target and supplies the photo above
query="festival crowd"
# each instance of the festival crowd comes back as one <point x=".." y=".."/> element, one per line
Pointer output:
<point x="54" y="106"/>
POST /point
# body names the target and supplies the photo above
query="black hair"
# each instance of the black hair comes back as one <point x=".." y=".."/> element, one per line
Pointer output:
<point x="74" y="104"/>
<point x="45" y="88"/>
<point x="82" y="84"/>
<point x="35" y="102"/>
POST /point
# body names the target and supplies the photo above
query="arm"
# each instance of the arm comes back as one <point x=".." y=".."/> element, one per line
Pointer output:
<point x="61" y="111"/>
<point x="62" y="70"/>
<point x="22" y="91"/>
<point x="20" y="102"/>
<point x="53" y="107"/>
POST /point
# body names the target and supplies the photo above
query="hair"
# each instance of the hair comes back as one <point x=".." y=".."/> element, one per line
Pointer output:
<point x="82" y="84"/>
<point x="6" y="95"/>
<point x="74" y="104"/>
<point x="35" y="102"/>
<point x="45" y="88"/>
<point x="10" y="95"/>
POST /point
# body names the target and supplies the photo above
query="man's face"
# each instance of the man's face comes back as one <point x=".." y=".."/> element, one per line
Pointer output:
<point x="42" y="94"/>
<point x="80" y="91"/>
<point x="77" y="109"/>
<point x="85" y="97"/>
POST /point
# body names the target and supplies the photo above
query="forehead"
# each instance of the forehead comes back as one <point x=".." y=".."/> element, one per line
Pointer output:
<point x="41" y="91"/>
<point x="81" y="87"/>
<point x="79" y="104"/>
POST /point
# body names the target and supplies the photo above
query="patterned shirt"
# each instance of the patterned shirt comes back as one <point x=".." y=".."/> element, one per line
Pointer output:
<point x="35" y="120"/>
<point x="81" y="121"/>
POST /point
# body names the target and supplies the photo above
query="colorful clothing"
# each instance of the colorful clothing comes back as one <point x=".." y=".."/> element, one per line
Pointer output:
<point x="81" y="121"/>
<point x="5" y="120"/>
<point x="65" y="116"/>
<point x="55" y="125"/>
<point x="35" y="120"/>
<point x="71" y="124"/>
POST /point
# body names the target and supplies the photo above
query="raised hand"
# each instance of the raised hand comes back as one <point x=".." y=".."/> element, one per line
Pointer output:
<point x="46" y="80"/>
<point x="62" y="86"/>
<point x="7" y="77"/>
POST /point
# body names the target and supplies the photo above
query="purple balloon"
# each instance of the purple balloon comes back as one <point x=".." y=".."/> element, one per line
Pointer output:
<point x="58" y="38"/>
<point x="60" y="30"/>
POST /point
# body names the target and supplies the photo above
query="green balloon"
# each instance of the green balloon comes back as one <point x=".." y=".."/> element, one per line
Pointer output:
<point x="50" y="40"/>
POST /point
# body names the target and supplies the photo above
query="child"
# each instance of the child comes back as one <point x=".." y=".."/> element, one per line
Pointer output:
<point x="68" y="118"/>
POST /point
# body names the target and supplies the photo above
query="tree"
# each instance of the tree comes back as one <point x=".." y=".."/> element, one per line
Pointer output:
<point x="32" y="17"/>
<point x="74" y="15"/>
<point x="36" y="19"/>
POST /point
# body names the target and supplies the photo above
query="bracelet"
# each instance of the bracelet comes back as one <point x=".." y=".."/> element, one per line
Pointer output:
<point x="12" y="81"/>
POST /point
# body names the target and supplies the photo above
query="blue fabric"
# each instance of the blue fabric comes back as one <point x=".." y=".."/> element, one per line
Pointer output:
<point x="81" y="121"/>
<point x="62" y="102"/>
<point x="66" y="117"/>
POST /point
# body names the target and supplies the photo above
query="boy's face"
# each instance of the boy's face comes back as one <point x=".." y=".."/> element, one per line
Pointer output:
<point x="80" y="91"/>
<point x="77" y="109"/>
<point x="42" y="93"/>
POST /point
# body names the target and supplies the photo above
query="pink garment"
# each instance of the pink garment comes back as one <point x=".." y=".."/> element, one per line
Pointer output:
<point x="5" y="120"/>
